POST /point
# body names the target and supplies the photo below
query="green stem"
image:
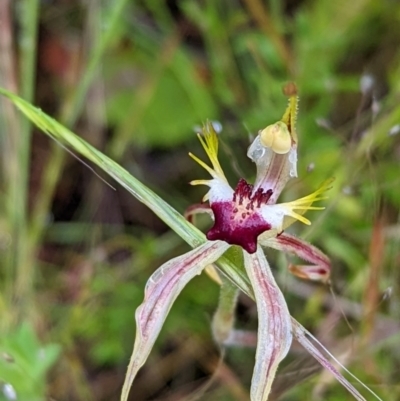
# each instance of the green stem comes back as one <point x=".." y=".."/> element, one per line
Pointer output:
<point x="10" y="170"/>
<point x="28" y="13"/>
<point x="224" y="316"/>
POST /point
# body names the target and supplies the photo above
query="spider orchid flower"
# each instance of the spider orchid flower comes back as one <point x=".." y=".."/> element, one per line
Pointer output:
<point x="248" y="217"/>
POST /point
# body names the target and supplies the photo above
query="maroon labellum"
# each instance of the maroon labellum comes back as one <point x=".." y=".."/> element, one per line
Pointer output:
<point x="238" y="222"/>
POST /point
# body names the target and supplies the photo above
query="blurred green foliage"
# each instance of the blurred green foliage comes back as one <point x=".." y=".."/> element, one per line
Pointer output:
<point x="134" y="78"/>
<point x="25" y="362"/>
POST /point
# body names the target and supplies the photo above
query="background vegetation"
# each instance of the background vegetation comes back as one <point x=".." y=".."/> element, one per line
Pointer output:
<point x="134" y="78"/>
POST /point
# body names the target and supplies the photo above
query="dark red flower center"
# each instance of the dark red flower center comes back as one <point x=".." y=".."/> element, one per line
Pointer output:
<point x="238" y="222"/>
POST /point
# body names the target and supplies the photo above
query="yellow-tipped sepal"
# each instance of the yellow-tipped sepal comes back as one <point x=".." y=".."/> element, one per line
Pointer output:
<point x="219" y="187"/>
<point x="209" y="141"/>
<point x="296" y="208"/>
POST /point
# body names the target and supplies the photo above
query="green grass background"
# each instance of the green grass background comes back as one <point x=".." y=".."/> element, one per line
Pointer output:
<point x="133" y="79"/>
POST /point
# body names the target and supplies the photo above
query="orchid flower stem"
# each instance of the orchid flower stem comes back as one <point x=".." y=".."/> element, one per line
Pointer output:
<point x="224" y="317"/>
<point x="28" y="19"/>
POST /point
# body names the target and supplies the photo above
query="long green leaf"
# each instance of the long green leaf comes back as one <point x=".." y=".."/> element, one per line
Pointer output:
<point x="163" y="210"/>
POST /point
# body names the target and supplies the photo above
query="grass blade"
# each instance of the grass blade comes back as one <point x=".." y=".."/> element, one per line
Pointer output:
<point x="163" y="210"/>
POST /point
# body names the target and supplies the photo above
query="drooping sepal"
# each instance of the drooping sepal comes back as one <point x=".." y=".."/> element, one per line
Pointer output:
<point x="161" y="291"/>
<point x="274" y="324"/>
<point x="320" y="268"/>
